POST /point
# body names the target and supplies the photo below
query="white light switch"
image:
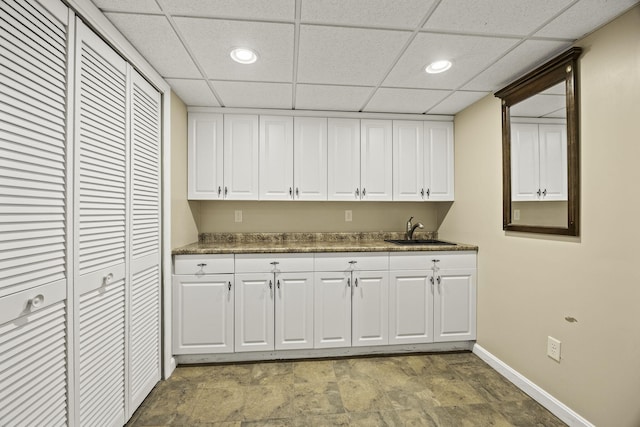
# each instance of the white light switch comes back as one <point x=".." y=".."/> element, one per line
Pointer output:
<point x="238" y="215"/>
<point x="348" y="216"/>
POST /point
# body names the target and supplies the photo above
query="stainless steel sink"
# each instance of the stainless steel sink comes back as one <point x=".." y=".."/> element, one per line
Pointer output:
<point x="420" y="242"/>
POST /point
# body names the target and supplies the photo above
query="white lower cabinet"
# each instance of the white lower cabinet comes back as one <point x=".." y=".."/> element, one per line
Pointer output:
<point x="351" y="307"/>
<point x="432" y="297"/>
<point x="274" y="302"/>
<point x="203" y="304"/>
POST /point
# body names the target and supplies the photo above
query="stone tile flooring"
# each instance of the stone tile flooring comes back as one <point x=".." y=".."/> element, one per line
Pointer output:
<point x="452" y="389"/>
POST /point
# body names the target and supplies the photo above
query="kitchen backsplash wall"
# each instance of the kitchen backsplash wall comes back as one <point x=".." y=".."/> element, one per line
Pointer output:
<point x="219" y="216"/>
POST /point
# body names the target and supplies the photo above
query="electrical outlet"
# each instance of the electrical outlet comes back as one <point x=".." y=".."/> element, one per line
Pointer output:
<point x="348" y="216"/>
<point x="238" y="216"/>
<point x="553" y="348"/>
<point x="516" y="214"/>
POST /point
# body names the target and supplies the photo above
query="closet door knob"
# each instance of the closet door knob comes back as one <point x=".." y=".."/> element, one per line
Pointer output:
<point x="37" y="301"/>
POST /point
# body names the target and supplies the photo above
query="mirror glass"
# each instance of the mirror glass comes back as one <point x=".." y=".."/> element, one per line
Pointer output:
<point x="540" y="149"/>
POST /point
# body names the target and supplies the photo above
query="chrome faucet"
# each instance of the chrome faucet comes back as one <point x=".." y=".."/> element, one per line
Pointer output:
<point x="412" y="228"/>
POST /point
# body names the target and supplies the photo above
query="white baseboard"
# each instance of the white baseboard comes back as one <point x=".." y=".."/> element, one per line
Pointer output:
<point x="554" y="406"/>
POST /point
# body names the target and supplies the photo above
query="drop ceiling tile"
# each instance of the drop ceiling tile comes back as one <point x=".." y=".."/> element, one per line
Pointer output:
<point x="335" y="98"/>
<point x="370" y="13"/>
<point x="516" y="63"/>
<point x="581" y="18"/>
<point x="347" y="56"/>
<point x="469" y="55"/>
<point x="154" y="38"/>
<point x="539" y="106"/>
<point x="457" y="102"/>
<point x="241" y="9"/>
<point x="254" y="95"/>
<point x="211" y="41"/>
<point x="193" y="92"/>
<point x="393" y="100"/>
<point x="137" y="6"/>
<point x="514" y="17"/>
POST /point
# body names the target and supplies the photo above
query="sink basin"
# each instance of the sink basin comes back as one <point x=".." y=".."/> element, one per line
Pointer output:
<point x="420" y="242"/>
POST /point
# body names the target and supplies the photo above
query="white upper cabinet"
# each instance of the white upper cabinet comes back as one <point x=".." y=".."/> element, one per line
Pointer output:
<point x="439" y="162"/>
<point x="276" y="158"/>
<point x="241" y="157"/>
<point x="344" y="159"/>
<point x="310" y="158"/>
<point x="422" y="160"/>
<point x="376" y="176"/>
<point x="205" y="156"/>
<point x="538" y="162"/>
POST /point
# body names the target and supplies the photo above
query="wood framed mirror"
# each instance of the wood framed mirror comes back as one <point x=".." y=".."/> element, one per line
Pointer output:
<point x="540" y="149"/>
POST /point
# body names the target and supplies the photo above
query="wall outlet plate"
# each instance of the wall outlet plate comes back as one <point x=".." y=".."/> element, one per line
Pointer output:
<point x="553" y="348"/>
<point x="348" y="216"/>
<point x="238" y="216"/>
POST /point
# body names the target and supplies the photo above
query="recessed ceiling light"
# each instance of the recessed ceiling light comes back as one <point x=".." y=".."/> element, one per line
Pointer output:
<point x="438" y="67"/>
<point x="243" y="55"/>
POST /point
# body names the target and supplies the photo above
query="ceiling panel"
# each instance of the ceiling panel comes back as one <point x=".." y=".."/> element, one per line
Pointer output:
<point x="193" y="92"/>
<point x="508" y="17"/>
<point x="579" y="19"/>
<point x="394" y="100"/>
<point x="158" y="43"/>
<point x="469" y="56"/>
<point x="254" y="95"/>
<point x="368" y="13"/>
<point x="457" y="102"/>
<point x="139" y="6"/>
<point x="347" y="56"/>
<point x="243" y="9"/>
<point x="336" y="98"/>
<point x="522" y="59"/>
<point x="211" y="41"/>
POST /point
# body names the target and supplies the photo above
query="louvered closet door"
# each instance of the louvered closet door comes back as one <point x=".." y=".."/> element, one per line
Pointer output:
<point x="32" y="146"/>
<point x="33" y="273"/>
<point x="144" y="283"/>
<point x="100" y="231"/>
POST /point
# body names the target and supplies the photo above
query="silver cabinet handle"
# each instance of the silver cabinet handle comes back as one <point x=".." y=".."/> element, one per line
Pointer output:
<point x="225" y="191"/>
<point x="357" y="192"/>
<point x="297" y="192"/>
<point x="219" y="190"/>
<point x="274" y="263"/>
<point x="356" y="283"/>
<point x="438" y="280"/>
<point x="348" y="283"/>
<point x="270" y="284"/>
<point x="202" y="264"/>
<point x="229" y="285"/>
<point x="364" y="192"/>
<point x="435" y="260"/>
<point x="353" y="262"/>
<point x="422" y="193"/>
<point x="538" y="192"/>
<point x="278" y="284"/>
<point x="431" y="279"/>
<point x="290" y="192"/>
<point x="428" y="192"/>
<point x="544" y="193"/>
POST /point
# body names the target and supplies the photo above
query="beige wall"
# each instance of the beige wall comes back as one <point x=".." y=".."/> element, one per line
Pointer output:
<point x="528" y="283"/>
<point x="218" y="216"/>
<point x="183" y="213"/>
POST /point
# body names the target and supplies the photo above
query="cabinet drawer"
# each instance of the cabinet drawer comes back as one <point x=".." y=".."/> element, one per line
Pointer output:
<point x="341" y="261"/>
<point x="262" y="263"/>
<point x="210" y="264"/>
<point x="29" y="301"/>
<point x="424" y="260"/>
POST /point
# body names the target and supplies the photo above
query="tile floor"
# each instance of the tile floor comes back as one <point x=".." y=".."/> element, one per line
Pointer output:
<point x="452" y="389"/>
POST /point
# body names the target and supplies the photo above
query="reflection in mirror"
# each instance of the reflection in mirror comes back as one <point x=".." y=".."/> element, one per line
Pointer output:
<point x="540" y="149"/>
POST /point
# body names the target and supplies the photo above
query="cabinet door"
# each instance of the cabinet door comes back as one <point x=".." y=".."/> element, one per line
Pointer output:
<point x="343" y="161"/>
<point x="370" y="318"/>
<point x="439" y="161"/>
<point x="254" y="322"/>
<point x="376" y="176"/>
<point x="525" y="161"/>
<point x="203" y="314"/>
<point x="553" y="162"/>
<point x="294" y="311"/>
<point x="240" y="157"/>
<point x="276" y="158"/>
<point x="410" y="307"/>
<point x="455" y="305"/>
<point x="332" y="309"/>
<point x="100" y="230"/>
<point x="310" y="158"/>
<point x="408" y="160"/>
<point x="205" y="156"/>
